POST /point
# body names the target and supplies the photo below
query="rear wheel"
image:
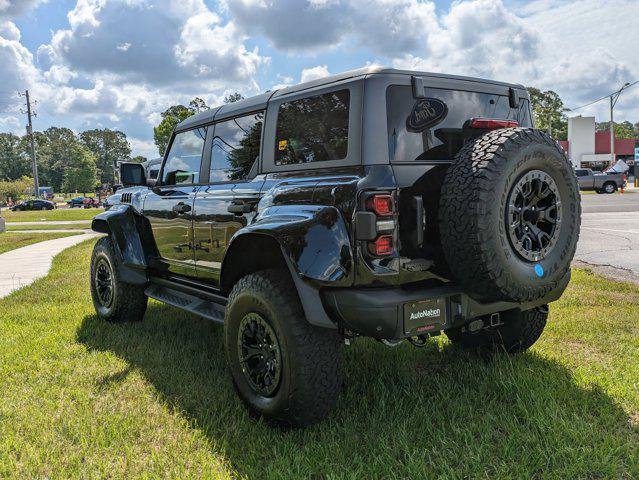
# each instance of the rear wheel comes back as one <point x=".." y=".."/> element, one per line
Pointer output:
<point x="610" y="187"/>
<point x="283" y="368"/>
<point x="114" y="300"/>
<point x="517" y="333"/>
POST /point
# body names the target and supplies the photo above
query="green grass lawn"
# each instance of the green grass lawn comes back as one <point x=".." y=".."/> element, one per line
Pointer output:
<point x="48" y="226"/>
<point x="51" y="215"/>
<point x="85" y="399"/>
<point x="11" y="241"/>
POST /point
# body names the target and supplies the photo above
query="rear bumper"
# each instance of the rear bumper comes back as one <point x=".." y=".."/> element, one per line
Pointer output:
<point x="387" y="313"/>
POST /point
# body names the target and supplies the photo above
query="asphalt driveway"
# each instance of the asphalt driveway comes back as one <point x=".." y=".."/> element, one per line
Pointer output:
<point x="609" y="239"/>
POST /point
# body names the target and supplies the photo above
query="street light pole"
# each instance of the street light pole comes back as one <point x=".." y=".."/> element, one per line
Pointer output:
<point x="613" y="101"/>
<point x="612" y="133"/>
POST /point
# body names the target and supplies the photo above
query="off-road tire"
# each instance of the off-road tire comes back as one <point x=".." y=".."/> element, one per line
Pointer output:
<point x="519" y="331"/>
<point x="311" y="357"/>
<point x="473" y="208"/>
<point x="129" y="301"/>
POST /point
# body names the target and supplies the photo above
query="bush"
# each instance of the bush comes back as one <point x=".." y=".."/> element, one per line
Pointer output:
<point x="15" y="189"/>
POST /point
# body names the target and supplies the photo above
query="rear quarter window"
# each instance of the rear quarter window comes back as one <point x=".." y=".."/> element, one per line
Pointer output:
<point x="313" y="129"/>
<point x="444" y="139"/>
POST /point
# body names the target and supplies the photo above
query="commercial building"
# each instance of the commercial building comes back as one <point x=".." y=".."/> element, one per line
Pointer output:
<point x="588" y="148"/>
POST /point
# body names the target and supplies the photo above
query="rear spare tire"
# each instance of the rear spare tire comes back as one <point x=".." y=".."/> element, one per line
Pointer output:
<point x="509" y="215"/>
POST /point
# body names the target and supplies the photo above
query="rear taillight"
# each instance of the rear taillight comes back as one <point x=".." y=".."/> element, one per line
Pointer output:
<point x="384" y="245"/>
<point x="381" y="205"/>
<point x="492" y="123"/>
<point x="383" y="224"/>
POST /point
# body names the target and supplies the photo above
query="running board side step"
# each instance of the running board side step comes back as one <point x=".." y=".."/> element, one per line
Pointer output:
<point x="190" y="303"/>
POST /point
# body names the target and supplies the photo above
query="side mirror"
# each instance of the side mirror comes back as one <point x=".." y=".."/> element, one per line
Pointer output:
<point x="132" y="174"/>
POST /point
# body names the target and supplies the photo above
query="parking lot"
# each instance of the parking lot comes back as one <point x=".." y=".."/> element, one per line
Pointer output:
<point x="609" y="240"/>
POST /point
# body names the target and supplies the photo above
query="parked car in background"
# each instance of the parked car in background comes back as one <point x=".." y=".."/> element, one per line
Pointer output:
<point x="75" y="202"/>
<point x="600" y="182"/>
<point x="35" y="204"/>
<point x="89" y="202"/>
<point x="84" y="202"/>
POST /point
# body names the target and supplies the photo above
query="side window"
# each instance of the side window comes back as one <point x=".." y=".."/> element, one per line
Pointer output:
<point x="235" y="148"/>
<point x="313" y="129"/>
<point x="182" y="164"/>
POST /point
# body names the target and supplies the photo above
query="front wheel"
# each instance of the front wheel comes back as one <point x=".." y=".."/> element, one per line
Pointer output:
<point x="114" y="300"/>
<point x="283" y="368"/>
<point x="517" y="332"/>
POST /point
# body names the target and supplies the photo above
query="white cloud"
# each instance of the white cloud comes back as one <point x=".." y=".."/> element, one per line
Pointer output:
<point x="18" y="71"/>
<point x="584" y="55"/>
<point x="9" y="31"/>
<point x="479" y="38"/>
<point x="146" y="148"/>
<point x="291" y="24"/>
<point x="13" y="8"/>
<point x="176" y="43"/>
<point x="387" y="27"/>
<point x="11" y="124"/>
<point x="314" y="73"/>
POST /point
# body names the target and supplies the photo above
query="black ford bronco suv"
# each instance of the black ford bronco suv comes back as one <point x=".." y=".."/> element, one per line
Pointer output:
<point x="390" y="204"/>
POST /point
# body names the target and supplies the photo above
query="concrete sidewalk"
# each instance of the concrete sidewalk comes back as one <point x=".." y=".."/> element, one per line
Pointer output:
<point x="22" y="266"/>
<point x="49" y="222"/>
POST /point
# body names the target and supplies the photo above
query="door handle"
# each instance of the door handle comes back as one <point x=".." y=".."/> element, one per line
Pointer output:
<point x="238" y="208"/>
<point x="181" y="208"/>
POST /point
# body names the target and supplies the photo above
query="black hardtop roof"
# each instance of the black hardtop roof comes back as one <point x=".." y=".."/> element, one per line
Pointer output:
<point x="259" y="102"/>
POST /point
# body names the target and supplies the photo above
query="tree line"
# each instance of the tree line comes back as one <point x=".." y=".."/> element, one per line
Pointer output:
<point x="66" y="162"/>
<point x="549" y="109"/>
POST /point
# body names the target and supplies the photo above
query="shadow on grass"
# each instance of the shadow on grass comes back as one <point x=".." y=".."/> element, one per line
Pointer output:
<point x="404" y="412"/>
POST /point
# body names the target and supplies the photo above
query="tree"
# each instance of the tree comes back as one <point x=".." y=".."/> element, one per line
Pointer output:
<point x="622" y="130"/>
<point x="198" y="105"/>
<point x="14" y="163"/>
<point x="109" y="148"/>
<point x="171" y="117"/>
<point x="233" y="97"/>
<point x="54" y="148"/>
<point x="138" y="159"/>
<point x="14" y="189"/>
<point x="81" y="174"/>
<point x="548" y="108"/>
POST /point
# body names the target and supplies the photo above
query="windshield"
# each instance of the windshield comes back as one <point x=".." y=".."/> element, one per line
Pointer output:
<point x="431" y="128"/>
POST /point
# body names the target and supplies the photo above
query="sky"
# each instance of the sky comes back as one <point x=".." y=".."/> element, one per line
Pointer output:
<point x="119" y="63"/>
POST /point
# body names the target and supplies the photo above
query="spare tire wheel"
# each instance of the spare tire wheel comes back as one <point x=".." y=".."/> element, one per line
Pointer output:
<point x="510" y="213"/>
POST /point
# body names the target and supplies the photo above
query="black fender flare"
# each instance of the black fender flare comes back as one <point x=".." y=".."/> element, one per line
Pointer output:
<point x="316" y="247"/>
<point x="129" y="233"/>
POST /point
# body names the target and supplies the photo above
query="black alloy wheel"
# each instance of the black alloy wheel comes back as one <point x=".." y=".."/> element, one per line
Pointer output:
<point x="534" y="215"/>
<point x="259" y="354"/>
<point x="104" y="286"/>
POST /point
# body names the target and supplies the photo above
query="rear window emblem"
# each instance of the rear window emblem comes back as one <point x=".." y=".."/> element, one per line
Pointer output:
<point x="426" y="113"/>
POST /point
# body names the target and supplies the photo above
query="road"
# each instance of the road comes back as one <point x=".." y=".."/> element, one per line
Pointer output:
<point x="609" y="239"/>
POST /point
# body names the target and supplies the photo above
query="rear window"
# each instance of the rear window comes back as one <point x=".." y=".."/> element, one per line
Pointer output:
<point x="434" y="132"/>
<point x="313" y="129"/>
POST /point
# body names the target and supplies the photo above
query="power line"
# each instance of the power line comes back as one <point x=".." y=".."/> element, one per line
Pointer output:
<point x="604" y="97"/>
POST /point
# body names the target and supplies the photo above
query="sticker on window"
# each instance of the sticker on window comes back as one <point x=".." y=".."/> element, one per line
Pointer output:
<point x="426" y="113"/>
<point x="282" y="145"/>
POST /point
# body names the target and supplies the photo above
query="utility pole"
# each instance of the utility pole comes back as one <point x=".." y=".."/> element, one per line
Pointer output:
<point x="549" y="124"/>
<point x="612" y="133"/>
<point x="34" y="165"/>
